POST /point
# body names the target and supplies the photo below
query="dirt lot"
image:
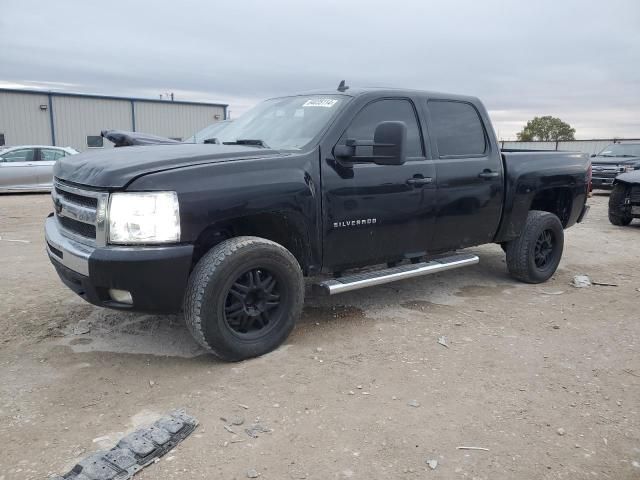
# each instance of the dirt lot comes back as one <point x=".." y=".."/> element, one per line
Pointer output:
<point x="546" y="377"/>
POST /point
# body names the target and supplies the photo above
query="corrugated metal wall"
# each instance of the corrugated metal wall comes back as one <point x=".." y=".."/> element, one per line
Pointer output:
<point x="585" y="146"/>
<point x="75" y="118"/>
<point x="174" y="120"/>
<point x="22" y="120"/>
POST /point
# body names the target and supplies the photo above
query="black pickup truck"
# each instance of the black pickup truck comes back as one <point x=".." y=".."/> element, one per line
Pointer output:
<point x="315" y="185"/>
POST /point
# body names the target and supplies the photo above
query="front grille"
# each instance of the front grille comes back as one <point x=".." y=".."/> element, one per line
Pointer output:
<point x="79" y="199"/>
<point x="85" y="229"/>
<point x="80" y="213"/>
<point x="606" y="170"/>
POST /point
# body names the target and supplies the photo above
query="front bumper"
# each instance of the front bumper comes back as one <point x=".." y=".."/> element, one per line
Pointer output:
<point x="156" y="277"/>
<point x="602" y="183"/>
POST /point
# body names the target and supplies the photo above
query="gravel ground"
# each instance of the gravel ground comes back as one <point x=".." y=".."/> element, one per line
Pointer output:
<point x="545" y="377"/>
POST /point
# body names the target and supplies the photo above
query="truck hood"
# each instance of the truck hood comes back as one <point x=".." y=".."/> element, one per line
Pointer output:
<point x="614" y="160"/>
<point x="116" y="167"/>
<point x="629" y="177"/>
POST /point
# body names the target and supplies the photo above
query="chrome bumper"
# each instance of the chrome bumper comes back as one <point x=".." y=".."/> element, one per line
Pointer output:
<point x="75" y="255"/>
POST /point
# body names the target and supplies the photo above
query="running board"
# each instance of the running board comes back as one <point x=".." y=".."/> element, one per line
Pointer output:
<point x="379" y="277"/>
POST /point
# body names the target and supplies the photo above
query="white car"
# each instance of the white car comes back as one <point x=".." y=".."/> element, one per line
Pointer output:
<point x="29" y="168"/>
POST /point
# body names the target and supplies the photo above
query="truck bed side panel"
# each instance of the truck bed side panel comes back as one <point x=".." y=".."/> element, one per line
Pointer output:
<point x="529" y="174"/>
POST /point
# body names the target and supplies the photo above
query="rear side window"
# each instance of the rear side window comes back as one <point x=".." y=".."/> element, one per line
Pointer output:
<point x="457" y="128"/>
<point x="364" y="124"/>
<point x="50" y="154"/>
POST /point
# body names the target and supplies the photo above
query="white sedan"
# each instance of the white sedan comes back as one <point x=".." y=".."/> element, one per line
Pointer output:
<point x="29" y="168"/>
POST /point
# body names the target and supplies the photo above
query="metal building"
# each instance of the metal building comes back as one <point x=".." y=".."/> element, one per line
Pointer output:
<point x="29" y="117"/>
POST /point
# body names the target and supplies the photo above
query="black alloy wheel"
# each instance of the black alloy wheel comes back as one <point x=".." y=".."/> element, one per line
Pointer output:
<point x="252" y="303"/>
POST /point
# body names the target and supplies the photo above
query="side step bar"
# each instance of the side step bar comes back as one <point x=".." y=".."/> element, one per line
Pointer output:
<point x="387" y="275"/>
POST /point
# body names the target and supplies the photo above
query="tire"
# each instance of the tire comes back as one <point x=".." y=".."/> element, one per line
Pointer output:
<point x="243" y="298"/>
<point x="534" y="256"/>
<point x="617" y="216"/>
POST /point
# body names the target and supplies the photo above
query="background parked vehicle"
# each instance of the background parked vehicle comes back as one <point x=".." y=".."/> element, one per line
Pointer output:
<point x="624" y="201"/>
<point x="30" y="167"/>
<point x="614" y="160"/>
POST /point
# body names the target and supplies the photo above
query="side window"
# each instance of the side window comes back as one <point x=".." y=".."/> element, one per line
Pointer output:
<point x="1" y="139"/>
<point x="50" y="154"/>
<point x="364" y="124"/>
<point x="94" y="141"/>
<point x="457" y="128"/>
<point x="22" y="155"/>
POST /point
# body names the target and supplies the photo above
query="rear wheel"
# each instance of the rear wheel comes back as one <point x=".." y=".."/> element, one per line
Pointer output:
<point x="618" y="213"/>
<point x="244" y="297"/>
<point x="534" y="256"/>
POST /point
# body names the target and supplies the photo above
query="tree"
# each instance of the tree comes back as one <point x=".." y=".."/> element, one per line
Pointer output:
<point x="546" y="129"/>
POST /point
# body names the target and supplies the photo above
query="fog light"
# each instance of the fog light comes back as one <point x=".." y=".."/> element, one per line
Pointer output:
<point x="120" y="296"/>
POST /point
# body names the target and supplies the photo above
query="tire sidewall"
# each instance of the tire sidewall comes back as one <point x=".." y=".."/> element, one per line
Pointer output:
<point x="227" y="343"/>
<point x="552" y="223"/>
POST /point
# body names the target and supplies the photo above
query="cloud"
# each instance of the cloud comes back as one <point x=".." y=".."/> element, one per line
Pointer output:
<point x="572" y="59"/>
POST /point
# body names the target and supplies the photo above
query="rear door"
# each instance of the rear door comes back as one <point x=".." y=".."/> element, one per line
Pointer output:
<point x="18" y="169"/>
<point x="469" y="175"/>
<point x="48" y="158"/>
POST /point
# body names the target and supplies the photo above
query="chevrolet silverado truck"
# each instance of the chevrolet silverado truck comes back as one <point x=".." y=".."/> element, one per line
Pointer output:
<point x="624" y="201"/>
<point x="614" y="160"/>
<point x="316" y="185"/>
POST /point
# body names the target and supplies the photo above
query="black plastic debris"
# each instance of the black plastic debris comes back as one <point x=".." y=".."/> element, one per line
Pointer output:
<point x="135" y="451"/>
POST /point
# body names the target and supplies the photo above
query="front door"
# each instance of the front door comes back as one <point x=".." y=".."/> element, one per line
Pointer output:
<point x="18" y="169"/>
<point x="375" y="212"/>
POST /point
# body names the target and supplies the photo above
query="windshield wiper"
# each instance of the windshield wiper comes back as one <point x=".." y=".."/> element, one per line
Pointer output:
<point x="248" y="141"/>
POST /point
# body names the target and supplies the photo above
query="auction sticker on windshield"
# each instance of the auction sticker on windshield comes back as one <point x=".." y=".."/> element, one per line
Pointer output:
<point x="320" y="102"/>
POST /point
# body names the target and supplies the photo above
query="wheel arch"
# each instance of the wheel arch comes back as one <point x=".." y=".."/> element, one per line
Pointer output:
<point x="284" y="228"/>
<point x="556" y="200"/>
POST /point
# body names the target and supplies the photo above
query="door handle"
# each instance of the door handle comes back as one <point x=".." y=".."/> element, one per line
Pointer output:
<point x="488" y="174"/>
<point x="419" y="180"/>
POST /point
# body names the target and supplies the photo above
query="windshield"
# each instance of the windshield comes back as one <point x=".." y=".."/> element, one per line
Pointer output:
<point x="621" y="150"/>
<point x="208" y="132"/>
<point x="288" y="123"/>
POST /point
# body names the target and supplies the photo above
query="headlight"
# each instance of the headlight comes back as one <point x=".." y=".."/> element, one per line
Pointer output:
<point x="629" y="168"/>
<point x="145" y="217"/>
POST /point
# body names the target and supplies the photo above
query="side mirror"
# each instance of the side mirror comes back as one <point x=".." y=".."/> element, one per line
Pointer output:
<point x="211" y="141"/>
<point x="389" y="142"/>
<point x="387" y="148"/>
<point x="593" y="155"/>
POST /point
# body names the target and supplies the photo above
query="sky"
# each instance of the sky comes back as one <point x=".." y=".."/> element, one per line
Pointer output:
<point x="577" y="60"/>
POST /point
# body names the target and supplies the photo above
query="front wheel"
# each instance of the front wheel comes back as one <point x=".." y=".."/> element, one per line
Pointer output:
<point x="534" y="256"/>
<point x="618" y="214"/>
<point x="244" y="297"/>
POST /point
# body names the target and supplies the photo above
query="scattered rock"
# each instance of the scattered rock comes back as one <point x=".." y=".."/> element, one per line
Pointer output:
<point x="581" y="281"/>
<point x="443" y="341"/>
<point x="255" y="429"/>
<point x="560" y="431"/>
<point x="81" y="328"/>
<point x="246" y="407"/>
<point x="252" y="473"/>
<point x="151" y="383"/>
<point x="351" y="392"/>
<point x="413" y="403"/>
<point x="318" y="349"/>
<point x="433" y="464"/>
<point x="236" y="420"/>
<point x="556" y="327"/>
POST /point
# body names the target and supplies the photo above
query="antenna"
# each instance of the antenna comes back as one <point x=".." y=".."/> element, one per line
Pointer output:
<point x="343" y="87"/>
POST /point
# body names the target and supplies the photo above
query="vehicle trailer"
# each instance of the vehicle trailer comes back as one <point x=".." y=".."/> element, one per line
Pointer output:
<point x="313" y="185"/>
